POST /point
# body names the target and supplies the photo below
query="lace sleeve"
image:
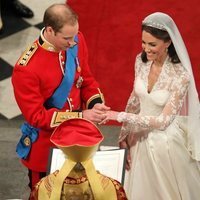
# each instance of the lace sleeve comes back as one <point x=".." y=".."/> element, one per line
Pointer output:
<point x="133" y="106"/>
<point x="178" y="92"/>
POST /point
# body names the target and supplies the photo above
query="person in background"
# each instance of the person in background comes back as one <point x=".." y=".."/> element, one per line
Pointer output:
<point x="1" y="22"/>
<point x="161" y="123"/>
<point x="78" y="178"/>
<point x="17" y="7"/>
<point x="52" y="82"/>
<point x="20" y="9"/>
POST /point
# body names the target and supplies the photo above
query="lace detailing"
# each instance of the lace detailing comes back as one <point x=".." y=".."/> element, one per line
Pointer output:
<point x="121" y="117"/>
<point x="159" y="107"/>
<point x="133" y="104"/>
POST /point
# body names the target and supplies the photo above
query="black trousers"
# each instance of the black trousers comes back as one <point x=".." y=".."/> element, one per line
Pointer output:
<point x="34" y="177"/>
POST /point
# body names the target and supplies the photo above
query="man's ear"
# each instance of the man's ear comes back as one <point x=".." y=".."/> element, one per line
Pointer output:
<point x="50" y="30"/>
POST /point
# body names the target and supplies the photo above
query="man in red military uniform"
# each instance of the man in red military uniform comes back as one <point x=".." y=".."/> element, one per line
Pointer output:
<point x="52" y="83"/>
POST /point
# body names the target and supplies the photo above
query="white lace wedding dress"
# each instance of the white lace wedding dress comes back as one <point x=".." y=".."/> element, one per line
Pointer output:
<point x="162" y="168"/>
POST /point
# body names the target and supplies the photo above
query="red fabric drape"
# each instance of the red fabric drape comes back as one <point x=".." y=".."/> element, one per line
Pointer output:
<point x="112" y="29"/>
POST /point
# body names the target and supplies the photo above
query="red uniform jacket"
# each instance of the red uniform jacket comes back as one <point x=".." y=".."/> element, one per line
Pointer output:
<point x="35" y="77"/>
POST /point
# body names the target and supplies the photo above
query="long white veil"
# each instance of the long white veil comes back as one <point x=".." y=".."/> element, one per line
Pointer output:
<point x="165" y="22"/>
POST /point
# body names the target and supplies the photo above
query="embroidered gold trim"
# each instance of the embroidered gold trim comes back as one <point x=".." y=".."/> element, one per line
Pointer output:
<point x="95" y="97"/>
<point x="45" y="44"/>
<point x="59" y="117"/>
<point x="28" y="53"/>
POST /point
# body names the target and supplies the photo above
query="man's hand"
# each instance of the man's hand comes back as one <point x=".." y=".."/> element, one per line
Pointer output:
<point x="101" y="107"/>
<point x="97" y="113"/>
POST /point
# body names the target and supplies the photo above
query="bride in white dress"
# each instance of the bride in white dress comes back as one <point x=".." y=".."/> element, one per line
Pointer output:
<point x="161" y="125"/>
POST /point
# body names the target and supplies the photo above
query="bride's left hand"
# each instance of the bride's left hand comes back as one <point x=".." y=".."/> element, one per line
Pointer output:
<point x="109" y="115"/>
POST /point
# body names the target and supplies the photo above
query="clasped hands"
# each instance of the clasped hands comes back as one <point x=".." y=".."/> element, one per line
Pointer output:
<point x="100" y="114"/>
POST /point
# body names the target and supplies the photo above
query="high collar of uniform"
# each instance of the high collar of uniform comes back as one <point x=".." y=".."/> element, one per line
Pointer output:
<point x="45" y="44"/>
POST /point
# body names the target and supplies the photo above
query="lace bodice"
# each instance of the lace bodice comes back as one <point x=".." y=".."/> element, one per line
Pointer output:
<point x="157" y="109"/>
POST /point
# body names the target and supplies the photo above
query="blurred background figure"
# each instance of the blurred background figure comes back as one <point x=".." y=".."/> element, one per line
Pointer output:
<point x="18" y="8"/>
<point x="1" y="23"/>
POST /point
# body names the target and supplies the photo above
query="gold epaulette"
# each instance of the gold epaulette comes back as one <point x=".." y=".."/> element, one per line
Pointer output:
<point x="59" y="117"/>
<point x="28" y="53"/>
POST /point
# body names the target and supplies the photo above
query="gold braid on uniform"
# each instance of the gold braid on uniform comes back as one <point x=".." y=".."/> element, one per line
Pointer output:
<point x="28" y="53"/>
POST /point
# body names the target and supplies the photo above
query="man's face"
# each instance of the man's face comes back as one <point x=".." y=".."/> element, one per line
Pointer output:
<point x="64" y="39"/>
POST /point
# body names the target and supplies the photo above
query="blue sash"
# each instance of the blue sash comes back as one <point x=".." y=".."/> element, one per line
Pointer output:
<point x="29" y="135"/>
<point x="57" y="100"/>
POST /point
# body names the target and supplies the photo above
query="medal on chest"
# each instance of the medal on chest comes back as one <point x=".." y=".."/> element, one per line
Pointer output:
<point x="78" y="67"/>
<point x="79" y="81"/>
<point x="80" y="78"/>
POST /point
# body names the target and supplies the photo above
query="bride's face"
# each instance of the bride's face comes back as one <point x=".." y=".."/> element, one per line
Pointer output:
<point x="156" y="49"/>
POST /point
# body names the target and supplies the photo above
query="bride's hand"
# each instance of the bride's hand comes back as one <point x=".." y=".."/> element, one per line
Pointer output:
<point x="123" y="145"/>
<point x="109" y="115"/>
